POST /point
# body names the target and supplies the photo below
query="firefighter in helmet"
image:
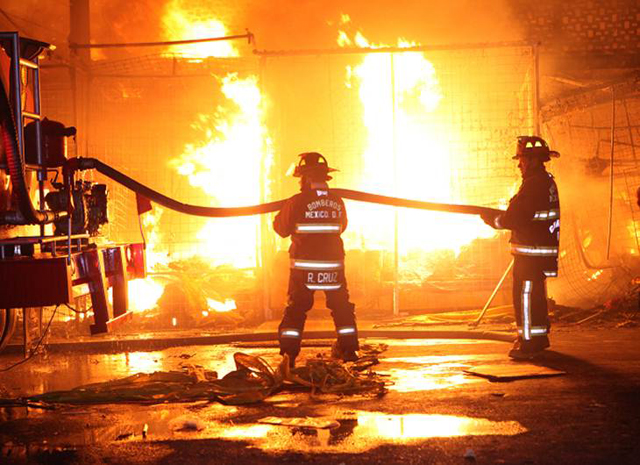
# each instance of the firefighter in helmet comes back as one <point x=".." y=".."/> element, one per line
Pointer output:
<point x="315" y="218"/>
<point x="533" y="216"/>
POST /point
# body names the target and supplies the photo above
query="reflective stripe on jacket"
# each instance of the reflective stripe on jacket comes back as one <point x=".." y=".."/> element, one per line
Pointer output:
<point x="533" y="216"/>
<point x="314" y="219"/>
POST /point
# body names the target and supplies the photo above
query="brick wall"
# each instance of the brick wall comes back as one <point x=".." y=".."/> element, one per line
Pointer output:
<point x="606" y="31"/>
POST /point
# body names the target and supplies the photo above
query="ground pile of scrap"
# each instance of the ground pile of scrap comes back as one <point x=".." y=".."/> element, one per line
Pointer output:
<point x="621" y="312"/>
<point x="252" y="381"/>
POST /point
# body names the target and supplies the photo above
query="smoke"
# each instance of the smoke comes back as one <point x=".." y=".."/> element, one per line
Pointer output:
<point x="589" y="273"/>
<point x="44" y="21"/>
<point x="277" y="24"/>
<point x="310" y="24"/>
<point x="282" y="24"/>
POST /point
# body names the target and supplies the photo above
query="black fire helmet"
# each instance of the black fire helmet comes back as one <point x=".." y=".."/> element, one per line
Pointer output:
<point x="312" y="163"/>
<point x="534" y="147"/>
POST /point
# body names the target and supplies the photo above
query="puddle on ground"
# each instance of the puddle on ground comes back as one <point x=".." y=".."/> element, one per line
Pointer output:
<point x="367" y="430"/>
<point x="358" y="431"/>
<point x="18" y="413"/>
<point x="427" y="373"/>
<point x="428" y="342"/>
<point x="39" y="375"/>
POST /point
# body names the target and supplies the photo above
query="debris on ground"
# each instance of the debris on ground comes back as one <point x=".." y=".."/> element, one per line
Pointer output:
<point x="469" y="455"/>
<point x="501" y="314"/>
<point x="513" y="371"/>
<point x="187" y="424"/>
<point x="622" y="311"/>
<point x="123" y="436"/>
<point x="317" y="423"/>
<point x="253" y="381"/>
<point x="331" y="376"/>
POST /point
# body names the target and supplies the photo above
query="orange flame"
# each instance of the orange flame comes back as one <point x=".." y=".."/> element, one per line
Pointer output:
<point x="221" y="307"/>
<point x="408" y="154"/>
<point x="180" y="24"/>
<point x="145" y="293"/>
<point x="228" y="165"/>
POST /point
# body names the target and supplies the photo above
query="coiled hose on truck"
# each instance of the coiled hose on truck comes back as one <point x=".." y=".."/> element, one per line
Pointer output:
<point x="81" y="163"/>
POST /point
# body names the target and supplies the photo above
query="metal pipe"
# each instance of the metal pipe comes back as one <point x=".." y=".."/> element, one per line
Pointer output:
<point x="613" y="129"/>
<point x="17" y="218"/>
<point x="42" y="169"/>
<point x="394" y="149"/>
<point x="28" y="64"/>
<point x="16" y="97"/>
<point x="536" y="89"/>
<point x="265" y="247"/>
<point x="492" y="296"/>
<point x="367" y="50"/>
<point x="248" y="36"/>
<point x="34" y="116"/>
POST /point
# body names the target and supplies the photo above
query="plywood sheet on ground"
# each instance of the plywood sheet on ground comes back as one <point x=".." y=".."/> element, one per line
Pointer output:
<point x="513" y="371"/>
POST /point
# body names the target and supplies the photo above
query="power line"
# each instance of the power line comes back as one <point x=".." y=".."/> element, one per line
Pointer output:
<point x="29" y="22"/>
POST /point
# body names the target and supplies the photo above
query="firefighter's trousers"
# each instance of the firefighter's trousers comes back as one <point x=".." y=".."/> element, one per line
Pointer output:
<point x="530" y="304"/>
<point x="300" y="301"/>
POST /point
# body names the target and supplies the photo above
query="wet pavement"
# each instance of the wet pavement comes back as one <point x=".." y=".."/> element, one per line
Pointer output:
<point x="434" y="412"/>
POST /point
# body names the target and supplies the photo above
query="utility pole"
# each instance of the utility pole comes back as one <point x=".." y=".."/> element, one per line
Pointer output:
<point x="80" y="33"/>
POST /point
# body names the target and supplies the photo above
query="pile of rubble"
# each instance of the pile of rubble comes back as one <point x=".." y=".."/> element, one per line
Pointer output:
<point x="252" y="381"/>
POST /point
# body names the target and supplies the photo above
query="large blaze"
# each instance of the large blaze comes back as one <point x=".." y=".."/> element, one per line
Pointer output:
<point x="180" y="24"/>
<point x="407" y="153"/>
<point x="226" y="165"/>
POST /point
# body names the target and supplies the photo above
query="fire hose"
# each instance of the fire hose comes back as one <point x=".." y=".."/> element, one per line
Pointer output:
<point x="81" y="163"/>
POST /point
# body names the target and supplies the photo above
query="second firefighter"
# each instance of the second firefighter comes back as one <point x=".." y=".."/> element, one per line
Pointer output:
<point x="533" y="216"/>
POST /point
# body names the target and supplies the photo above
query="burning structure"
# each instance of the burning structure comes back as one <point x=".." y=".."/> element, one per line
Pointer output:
<point x="219" y="123"/>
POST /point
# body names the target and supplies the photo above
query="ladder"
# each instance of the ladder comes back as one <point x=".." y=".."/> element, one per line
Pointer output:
<point x="21" y="117"/>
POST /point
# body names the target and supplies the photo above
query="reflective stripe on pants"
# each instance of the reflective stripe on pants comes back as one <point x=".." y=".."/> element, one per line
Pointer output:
<point x="300" y="301"/>
<point x="530" y="303"/>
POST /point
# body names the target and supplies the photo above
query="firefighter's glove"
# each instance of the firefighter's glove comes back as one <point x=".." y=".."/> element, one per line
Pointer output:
<point x="492" y="219"/>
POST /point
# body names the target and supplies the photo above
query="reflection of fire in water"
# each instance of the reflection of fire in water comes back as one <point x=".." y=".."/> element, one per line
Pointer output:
<point x="408" y="152"/>
<point x="414" y="426"/>
<point x="365" y="431"/>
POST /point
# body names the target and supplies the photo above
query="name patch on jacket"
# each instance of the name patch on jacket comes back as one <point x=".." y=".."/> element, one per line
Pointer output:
<point x="323" y="203"/>
<point x="322" y="214"/>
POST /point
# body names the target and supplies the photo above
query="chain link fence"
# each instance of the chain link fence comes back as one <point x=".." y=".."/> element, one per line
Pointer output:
<point x="443" y="131"/>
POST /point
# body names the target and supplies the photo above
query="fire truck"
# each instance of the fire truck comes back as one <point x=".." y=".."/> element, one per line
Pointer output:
<point x="50" y="222"/>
